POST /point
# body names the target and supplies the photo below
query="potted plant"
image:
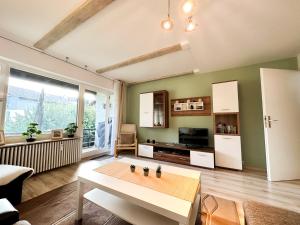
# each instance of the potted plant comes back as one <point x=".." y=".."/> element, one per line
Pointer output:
<point x="132" y="168"/>
<point x="31" y="132"/>
<point x="158" y="171"/>
<point x="71" y="129"/>
<point x="146" y="171"/>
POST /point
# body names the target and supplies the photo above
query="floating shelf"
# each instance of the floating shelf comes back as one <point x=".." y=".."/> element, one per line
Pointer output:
<point x="193" y="106"/>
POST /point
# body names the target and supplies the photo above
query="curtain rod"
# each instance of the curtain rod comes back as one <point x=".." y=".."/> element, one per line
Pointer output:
<point x="29" y="47"/>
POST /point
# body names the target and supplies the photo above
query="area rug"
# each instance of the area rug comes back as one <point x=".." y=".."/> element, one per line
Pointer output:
<point x="58" y="207"/>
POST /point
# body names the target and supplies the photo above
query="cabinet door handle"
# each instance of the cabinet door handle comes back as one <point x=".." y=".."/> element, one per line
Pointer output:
<point x="227" y="138"/>
<point x="225" y="109"/>
<point x="181" y="158"/>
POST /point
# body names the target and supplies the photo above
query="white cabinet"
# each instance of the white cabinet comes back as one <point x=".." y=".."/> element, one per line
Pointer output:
<point x="146" y="110"/>
<point x="228" y="151"/>
<point x="204" y="159"/>
<point x="145" y="151"/>
<point x="225" y="97"/>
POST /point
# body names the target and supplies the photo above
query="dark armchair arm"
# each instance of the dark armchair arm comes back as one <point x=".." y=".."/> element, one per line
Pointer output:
<point x="8" y="214"/>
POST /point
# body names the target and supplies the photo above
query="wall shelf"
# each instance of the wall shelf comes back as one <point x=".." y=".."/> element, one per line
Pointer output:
<point x="193" y="106"/>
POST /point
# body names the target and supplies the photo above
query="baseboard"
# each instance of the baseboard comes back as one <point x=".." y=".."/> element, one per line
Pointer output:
<point x="255" y="169"/>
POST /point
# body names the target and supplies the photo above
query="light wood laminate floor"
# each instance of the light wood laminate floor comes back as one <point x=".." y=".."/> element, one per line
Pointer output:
<point x="233" y="185"/>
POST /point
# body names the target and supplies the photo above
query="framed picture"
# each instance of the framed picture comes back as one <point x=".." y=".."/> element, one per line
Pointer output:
<point x="57" y="134"/>
<point x="2" y="137"/>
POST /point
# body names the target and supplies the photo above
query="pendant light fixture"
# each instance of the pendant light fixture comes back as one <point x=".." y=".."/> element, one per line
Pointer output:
<point x="188" y="6"/>
<point x="190" y="25"/>
<point x="167" y="24"/>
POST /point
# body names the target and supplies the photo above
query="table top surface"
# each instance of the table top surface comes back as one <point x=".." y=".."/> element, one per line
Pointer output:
<point x="168" y="205"/>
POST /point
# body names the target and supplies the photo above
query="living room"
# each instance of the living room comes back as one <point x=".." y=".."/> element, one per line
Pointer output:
<point x="149" y="112"/>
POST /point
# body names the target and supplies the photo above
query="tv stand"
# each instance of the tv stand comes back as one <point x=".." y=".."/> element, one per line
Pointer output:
<point x="178" y="153"/>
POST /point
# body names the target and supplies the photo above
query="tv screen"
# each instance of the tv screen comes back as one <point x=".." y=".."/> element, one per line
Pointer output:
<point x="194" y="137"/>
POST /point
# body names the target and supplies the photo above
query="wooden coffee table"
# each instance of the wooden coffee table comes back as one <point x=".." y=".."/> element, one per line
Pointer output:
<point x="136" y="203"/>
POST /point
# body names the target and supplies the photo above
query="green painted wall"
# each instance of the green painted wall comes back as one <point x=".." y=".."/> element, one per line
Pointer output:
<point x="193" y="85"/>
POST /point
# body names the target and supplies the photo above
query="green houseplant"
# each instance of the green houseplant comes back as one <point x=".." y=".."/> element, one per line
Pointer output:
<point x="71" y="129"/>
<point x="132" y="168"/>
<point x="31" y="132"/>
<point x="158" y="171"/>
<point x="146" y="171"/>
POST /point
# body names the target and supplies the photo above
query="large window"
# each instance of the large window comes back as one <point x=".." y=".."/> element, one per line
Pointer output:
<point x="33" y="98"/>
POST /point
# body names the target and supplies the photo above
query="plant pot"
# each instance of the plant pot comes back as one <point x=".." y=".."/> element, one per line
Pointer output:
<point x="158" y="174"/>
<point x="30" y="139"/>
<point x="146" y="173"/>
<point x="132" y="169"/>
<point x="71" y="135"/>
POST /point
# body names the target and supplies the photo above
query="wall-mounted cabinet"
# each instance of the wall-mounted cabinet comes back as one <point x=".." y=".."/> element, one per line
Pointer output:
<point x="154" y="109"/>
<point x="225" y="97"/>
<point x="227" y="125"/>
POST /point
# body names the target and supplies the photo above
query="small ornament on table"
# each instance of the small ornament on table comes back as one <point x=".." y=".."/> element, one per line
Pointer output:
<point x="158" y="171"/>
<point x="146" y="171"/>
<point x="132" y="168"/>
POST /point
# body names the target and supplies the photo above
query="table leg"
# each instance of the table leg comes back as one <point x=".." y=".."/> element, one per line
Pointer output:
<point x="79" y="200"/>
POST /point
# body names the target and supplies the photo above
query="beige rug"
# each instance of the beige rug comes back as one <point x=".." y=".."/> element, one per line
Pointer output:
<point x="58" y="207"/>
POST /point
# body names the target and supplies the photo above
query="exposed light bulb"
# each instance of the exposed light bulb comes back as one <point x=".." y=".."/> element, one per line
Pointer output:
<point x="188" y="6"/>
<point x="167" y="24"/>
<point x="191" y="25"/>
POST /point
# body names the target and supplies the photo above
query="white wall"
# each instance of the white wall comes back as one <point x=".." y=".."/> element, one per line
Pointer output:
<point x="16" y="53"/>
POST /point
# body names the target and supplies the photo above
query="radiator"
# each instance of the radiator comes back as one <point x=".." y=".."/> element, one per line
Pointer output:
<point x="42" y="155"/>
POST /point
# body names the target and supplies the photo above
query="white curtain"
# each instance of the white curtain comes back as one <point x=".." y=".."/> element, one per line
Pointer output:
<point x="120" y="110"/>
<point x="4" y="74"/>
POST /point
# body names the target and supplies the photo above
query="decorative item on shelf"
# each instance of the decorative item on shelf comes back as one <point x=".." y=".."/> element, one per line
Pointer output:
<point x="2" y="137"/>
<point x="57" y="134"/>
<point x="191" y="106"/>
<point x="146" y="171"/>
<point x="132" y="168"/>
<point x="31" y="132"/>
<point x="71" y="129"/>
<point x="153" y="141"/>
<point x="158" y="171"/>
<point x="177" y="106"/>
<point x="148" y="141"/>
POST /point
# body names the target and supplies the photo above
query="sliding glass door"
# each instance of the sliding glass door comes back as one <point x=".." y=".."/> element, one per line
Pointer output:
<point x="96" y="121"/>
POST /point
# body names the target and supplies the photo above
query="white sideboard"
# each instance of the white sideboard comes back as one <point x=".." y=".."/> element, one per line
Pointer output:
<point x="203" y="157"/>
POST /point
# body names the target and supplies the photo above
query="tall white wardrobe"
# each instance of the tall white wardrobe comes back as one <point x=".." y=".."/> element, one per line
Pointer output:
<point x="227" y="137"/>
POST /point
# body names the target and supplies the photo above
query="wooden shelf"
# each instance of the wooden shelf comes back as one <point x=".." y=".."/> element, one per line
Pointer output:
<point x="206" y="111"/>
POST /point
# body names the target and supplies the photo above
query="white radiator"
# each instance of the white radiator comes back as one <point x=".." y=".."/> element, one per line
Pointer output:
<point x="43" y="155"/>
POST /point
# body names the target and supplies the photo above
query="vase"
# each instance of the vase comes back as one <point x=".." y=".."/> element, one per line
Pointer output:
<point x="30" y="139"/>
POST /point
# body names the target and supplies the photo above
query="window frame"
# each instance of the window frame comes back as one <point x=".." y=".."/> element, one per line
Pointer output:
<point x="5" y="70"/>
<point x="46" y="132"/>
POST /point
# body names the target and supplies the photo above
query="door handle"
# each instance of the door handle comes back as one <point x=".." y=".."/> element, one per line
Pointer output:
<point x="270" y="121"/>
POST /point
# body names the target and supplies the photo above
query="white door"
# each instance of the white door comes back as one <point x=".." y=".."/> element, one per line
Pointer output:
<point x="281" y="109"/>
<point x="146" y="110"/>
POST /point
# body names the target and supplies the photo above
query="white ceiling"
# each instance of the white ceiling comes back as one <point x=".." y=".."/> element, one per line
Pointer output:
<point x="230" y="33"/>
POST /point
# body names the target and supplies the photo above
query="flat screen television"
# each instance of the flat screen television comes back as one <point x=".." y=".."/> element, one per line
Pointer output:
<point x="194" y="137"/>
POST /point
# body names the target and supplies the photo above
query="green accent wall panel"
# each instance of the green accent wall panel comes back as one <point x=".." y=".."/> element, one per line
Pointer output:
<point x="251" y="116"/>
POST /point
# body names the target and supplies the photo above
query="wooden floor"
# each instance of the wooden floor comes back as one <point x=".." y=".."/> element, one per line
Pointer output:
<point x="233" y="185"/>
